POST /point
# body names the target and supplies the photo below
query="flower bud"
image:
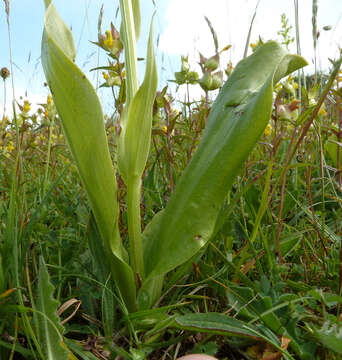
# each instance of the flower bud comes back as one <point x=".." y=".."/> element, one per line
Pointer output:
<point x="212" y="63"/>
<point x="217" y="80"/>
<point x="229" y="69"/>
<point x="180" y="77"/>
<point x="289" y="89"/>
<point x="4" y="73"/>
<point x="185" y="67"/>
<point x="192" y="77"/>
<point x="206" y="81"/>
<point x="210" y="81"/>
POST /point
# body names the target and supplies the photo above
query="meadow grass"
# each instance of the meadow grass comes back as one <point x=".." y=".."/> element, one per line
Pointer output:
<point x="268" y="283"/>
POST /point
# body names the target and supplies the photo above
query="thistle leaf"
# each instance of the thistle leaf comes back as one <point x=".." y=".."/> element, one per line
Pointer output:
<point x="330" y="335"/>
<point x="50" y="330"/>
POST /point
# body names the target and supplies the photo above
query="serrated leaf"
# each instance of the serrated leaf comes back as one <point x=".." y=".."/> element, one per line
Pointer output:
<point x="330" y="335"/>
<point x="50" y="329"/>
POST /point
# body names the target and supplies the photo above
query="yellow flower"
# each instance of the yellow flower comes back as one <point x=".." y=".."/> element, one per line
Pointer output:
<point x="5" y="120"/>
<point x="164" y="128"/>
<point x="7" y="135"/>
<point x="49" y="99"/>
<point x="295" y="85"/>
<point x="108" y="41"/>
<point x="268" y="130"/>
<point x="10" y="146"/>
<point x="322" y="111"/>
<point x="27" y="106"/>
<point x="252" y="45"/>
<point x="105" y="75"/>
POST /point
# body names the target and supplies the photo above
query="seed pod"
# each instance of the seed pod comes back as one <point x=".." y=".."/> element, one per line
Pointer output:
<point x="4" y="73"/>
<point x="217" y="80"/>
<point x="212" y="63"/>
<point x="185" y="67"/>
<point x="206" y="81"/>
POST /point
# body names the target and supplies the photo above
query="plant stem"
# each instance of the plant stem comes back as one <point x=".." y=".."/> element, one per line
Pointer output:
<point x="5" y="99"/>
<point x="130" y="49"/>
<point x="134" y="227"/>
<point x="46" y="173"/>
<point x="134" y="183"/>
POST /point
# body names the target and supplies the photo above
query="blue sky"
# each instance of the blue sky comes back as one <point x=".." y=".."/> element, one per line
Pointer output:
<point x="27" y="17"/>
<point x="179" y="29"/>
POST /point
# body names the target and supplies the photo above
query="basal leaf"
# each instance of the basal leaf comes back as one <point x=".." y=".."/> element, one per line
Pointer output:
<point x="215" y="323"/>
<point x="237" y="119"/>
<point x="80" y="111"/>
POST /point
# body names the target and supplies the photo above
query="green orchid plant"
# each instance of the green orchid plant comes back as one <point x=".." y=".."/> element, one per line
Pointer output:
<point x="237" y="119"/>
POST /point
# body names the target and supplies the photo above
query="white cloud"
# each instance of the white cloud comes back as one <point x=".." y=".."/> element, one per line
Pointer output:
<point x="188" y="33"/>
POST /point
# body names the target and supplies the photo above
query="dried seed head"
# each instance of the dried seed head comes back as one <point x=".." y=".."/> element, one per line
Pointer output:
<point x="7" y="7"/>
<point x="4" y="73"/>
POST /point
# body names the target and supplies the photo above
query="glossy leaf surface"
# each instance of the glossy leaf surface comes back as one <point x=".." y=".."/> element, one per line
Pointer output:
<point x="237" y="119"/>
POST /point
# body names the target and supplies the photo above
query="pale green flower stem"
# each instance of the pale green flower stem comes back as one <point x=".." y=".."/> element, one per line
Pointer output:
<point x="134" y="227"/>
<point x="133" y="185"/>
<point x="130" y="49"/>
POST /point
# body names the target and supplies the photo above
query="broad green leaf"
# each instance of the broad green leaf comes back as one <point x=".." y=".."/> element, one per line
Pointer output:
<point x="82" y="118"/>
<point x="237" y="119"/>
<point x="215" y="323"/>
<point x="50" y="330"/>
<point x="136" y="123"/>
